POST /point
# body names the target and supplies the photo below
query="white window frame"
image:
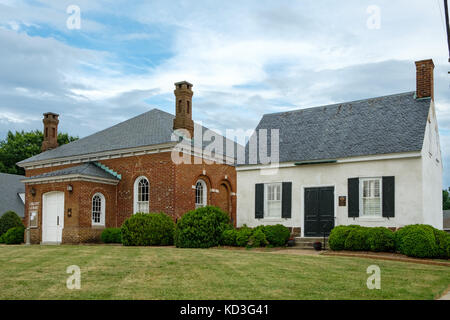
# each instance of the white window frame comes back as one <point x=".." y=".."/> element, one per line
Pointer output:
<point x="266" y="200"/>
<point x="204" y="199"/>
<point x="102" y="209"/>
<point x="136" y="195"/>
<point x="361" y="196"/>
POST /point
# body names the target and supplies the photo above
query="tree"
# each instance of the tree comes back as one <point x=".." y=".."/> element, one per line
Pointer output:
<point x="23" y="145"/>
<point x="445" y="200"/>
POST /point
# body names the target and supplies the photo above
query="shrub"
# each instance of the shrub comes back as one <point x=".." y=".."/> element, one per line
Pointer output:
<point x="277" y="235"/>
<point x="357" y="239"/>
<point x="443" y="244"/>
<point x="112" y="235"/>
<point x="2" y="238"/>
<point x="338" y="235"/>
<point x="148" y="229"/>
<point x="229" y="237"/>
<point x="257" y="239"/>
<point x="380" y="239"/>
<point x="416" y="241"/>
<point x="243" y="236"/>
<point x="14" y="235"/>
<point x="201" y="228"/>
<point x="9" y="220"/>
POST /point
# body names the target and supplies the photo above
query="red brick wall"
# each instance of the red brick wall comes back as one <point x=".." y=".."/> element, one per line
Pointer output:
<point x="170" y="192"/>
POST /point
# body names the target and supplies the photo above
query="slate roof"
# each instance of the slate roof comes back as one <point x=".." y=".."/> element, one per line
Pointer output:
<point x="388" y="124"/>
<point x="10" y="187"/>
<point x="87" y="169"/>
<point x="151" y="128"/>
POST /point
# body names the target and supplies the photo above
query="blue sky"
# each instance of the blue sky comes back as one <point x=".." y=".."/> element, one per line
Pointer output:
<point x="245" y="58"/>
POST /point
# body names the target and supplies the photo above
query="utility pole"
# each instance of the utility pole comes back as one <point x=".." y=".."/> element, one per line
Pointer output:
<point x="447" y="26"/>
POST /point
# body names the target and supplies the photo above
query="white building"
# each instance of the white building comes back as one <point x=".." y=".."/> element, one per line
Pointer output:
<point x="374" y="162"/>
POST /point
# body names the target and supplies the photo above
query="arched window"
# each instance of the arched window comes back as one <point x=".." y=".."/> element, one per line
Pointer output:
<point x="141" y="195"/>
<point x="98" y="209"/>
<point x="201" y="193"/>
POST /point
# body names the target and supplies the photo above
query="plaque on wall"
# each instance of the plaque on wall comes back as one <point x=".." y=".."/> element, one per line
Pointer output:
<point x="342" y="201"/>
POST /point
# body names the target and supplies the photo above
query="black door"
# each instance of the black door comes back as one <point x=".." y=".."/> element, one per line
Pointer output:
<point x="319" y="211"/>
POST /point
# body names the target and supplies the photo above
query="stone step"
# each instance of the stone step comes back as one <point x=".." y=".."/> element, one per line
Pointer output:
<point x="308" y="243"/>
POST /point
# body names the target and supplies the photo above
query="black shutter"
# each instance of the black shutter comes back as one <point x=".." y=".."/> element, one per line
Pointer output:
<point x="259" y="201"/>
<point x="286" y="199"/>
<point x="389" y="197"/>
<point x="353" y="197"/>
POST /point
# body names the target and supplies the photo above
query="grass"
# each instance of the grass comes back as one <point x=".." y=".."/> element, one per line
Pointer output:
<point x="116" y="272"/>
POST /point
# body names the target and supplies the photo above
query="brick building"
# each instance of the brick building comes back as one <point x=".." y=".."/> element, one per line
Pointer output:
<point x="76" y="190"/>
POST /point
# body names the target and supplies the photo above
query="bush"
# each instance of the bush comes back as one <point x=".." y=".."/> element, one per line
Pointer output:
<point x="243" y="236"/>
<point x="229" y="237"/>
<point x="380" y="239"/>
<point x="201" y="228"/>
<point x="112" y="235"/>
<point x="357" y="239"/>
<point x="277" y="235"/>
<point x="148" y="229"/>
<point x="416" y="241"/>
<point x="443" y="244"/>
<point x="2" y="238"/>
<point x="9" y="220"/>
<point x="14" y="235"/>
<point x="338" y="235"/>
<point x="257" y="239"/>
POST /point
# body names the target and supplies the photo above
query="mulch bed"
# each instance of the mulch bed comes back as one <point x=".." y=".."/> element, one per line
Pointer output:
<point x="387" y="256"/>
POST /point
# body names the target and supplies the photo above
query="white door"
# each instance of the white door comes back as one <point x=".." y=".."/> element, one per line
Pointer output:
<point x="52" y="217"/>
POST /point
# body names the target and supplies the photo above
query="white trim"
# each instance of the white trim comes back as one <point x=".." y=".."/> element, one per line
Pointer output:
<point x="266" y="185"/>
<point x="135" y="193"/>
<point x="103" y="210"/>
<point x="290" y="164"/>
<point x="361" y="193"/>
<point x="204" y="194"/>
<point x="69" y="177"/>
<point x="302" y="204"/>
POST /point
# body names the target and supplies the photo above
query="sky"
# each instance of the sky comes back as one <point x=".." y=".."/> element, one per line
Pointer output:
<point x="245" y="59"/>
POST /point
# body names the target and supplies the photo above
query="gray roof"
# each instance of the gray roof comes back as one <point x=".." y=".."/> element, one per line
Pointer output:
<point x="151" y="128"/>
<point x="87" y="169"/>
<point x="388" y="124"/>
<point x="10" y="187"/>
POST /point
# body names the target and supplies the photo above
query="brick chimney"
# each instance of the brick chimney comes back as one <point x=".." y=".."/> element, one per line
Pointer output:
<point x="183" y="107"/>
<point x="50" y="131"/>
<point x="424" y="79"/>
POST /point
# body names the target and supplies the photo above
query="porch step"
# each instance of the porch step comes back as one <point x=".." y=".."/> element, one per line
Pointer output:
<point x="308" y="243"/>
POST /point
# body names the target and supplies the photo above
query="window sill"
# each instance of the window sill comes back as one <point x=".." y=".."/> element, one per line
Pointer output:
<point x="372" y="219"/>
<point x="98" y="226"/>
<point x="273" y="219"/>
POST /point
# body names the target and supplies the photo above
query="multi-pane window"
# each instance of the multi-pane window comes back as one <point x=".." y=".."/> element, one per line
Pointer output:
<point x="371" y="204"/>
<point x="98" y="209"/>
<point x="200" y="194"/>
<point x="273" y="200"/>
<point x="142" y="203"/>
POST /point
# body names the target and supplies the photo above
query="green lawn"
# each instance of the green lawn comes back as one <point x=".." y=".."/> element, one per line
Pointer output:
<point x="115" y="272"/>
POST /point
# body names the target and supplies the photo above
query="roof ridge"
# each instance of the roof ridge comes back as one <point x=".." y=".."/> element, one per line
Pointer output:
<point x="341" y="103"/>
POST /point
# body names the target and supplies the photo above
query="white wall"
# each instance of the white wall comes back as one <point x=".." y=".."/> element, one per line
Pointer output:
<point x="432" y="173"/>
<point x="408" y="190"/>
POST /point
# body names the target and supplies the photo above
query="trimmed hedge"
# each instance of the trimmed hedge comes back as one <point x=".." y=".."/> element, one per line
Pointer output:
<point x="112" y="235"/>
<point x="201" y="228"/>
<point x="148" y="229"/>
<point x="14" y="235"/>
<point x="338" y="235"/>
<point x="421" y="241"/>
<point x="417" y="241"/>
<point x="9" y="220"/>
<point x="357" y="240"/>
<point x="261" y="236"/>
<point x="380" y="239"/>
<point x="277" y="235"/>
